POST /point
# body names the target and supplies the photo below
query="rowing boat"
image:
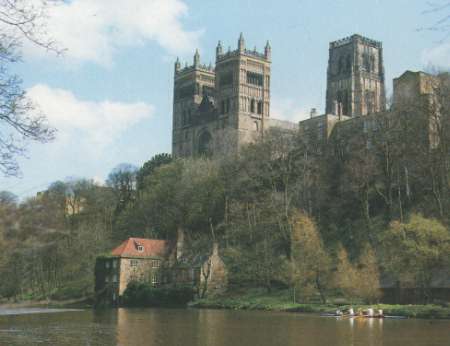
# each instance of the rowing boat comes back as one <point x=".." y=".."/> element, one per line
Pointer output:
<point x="362" y="316"/>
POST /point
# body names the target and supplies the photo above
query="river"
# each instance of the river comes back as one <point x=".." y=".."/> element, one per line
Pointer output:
<point x="189" y="327"/>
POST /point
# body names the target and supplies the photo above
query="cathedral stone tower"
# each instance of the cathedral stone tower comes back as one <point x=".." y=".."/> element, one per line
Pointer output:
<point x="243" y="89"/>
<point x="215" y="111"/>
<point x="355" y="80"/>
<point x="191" y="84"/>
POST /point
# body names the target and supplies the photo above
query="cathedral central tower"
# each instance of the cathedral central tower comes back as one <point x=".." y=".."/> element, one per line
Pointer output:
<point x="355" y="78"/>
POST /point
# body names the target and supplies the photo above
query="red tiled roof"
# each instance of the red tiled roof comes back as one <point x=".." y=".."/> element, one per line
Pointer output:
<point x="151" y="248"/>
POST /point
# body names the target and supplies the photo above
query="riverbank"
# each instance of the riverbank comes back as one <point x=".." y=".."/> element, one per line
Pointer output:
<point x="281" y="300"/>
<point x="67" y="303"/>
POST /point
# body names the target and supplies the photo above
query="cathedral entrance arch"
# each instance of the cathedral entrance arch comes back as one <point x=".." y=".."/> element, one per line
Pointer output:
<point x="205" y="143"/>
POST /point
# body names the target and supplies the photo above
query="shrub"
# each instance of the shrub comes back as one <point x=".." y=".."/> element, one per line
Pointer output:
<point x="140" y="294"/>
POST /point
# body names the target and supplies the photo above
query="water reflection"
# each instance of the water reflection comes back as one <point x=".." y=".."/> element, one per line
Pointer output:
<point x="155" y="327"/>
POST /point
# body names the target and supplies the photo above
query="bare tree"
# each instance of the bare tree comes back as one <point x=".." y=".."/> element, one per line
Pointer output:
<point x="442" y="23"/>
<point x="20" y="120"/>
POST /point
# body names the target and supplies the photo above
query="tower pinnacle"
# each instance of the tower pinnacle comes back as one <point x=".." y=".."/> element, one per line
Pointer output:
<point x="241" y="42"/>
<point x="268" y="51"/>
<point x="196" y="58"/>
<point x="177" y="65"/>
<point x="219" y="49"/>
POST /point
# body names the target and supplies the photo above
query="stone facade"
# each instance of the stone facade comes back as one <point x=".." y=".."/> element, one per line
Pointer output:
<point x="355" y="77"/>
<point x="216" y="110"/>
<point x="413" y="98"/>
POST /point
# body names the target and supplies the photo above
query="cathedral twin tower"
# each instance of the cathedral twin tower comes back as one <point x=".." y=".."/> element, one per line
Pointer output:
<point x="216" y="110"/>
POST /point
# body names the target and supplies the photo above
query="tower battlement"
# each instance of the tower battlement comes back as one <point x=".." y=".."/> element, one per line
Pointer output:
<point x="355" y="38"/>
<point x="242" y="50"/>
<point x="190" y="68"/>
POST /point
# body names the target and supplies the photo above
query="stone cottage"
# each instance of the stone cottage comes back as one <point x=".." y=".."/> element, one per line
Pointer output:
<point x="159" y="263"/>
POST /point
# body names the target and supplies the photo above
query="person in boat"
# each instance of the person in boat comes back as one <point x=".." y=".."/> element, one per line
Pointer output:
<point x="350" y="311"/>
<point x="338" y="312"/>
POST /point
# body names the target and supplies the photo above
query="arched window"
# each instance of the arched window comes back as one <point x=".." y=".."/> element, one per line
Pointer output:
<point x="372" y="63"/>
<point x="341" y="64"/>
<point x="260" y="107"/>
<point x="346" y="103"/>
<point x="370" y="101"/>
<point x="348" y="64"/>
<point x="205" y="144"/>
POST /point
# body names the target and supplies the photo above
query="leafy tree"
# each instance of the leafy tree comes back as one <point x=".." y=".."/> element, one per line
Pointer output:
<point x="368" y="276"/>
<point x="149" y="168"/>
<point x="416" y="250"/>
<point x="310" y="260"/>
<point x="346" y="275"/>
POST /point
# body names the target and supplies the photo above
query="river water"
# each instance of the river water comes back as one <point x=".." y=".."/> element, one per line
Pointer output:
<point x="189" y="327"/>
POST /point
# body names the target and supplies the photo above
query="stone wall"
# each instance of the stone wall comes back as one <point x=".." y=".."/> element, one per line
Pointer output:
<point x="139" y="269"/>
<point x="217" y="282"/>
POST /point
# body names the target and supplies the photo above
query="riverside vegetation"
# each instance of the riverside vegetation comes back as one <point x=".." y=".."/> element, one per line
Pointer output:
<point x="289" y="218"/>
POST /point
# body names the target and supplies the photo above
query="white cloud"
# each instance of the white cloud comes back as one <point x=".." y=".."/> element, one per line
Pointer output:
<point x="437" y="57"/>
<point x="92" y="126"/>
<point x="92" y="30"/>
<point x="288" y="109"/>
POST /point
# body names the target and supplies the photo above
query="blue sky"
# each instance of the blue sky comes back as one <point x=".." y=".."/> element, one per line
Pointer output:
<point x="110" y="95"/>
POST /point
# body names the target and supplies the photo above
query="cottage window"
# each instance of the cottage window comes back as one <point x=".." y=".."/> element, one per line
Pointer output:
<point x="154" y="279"/>
<point x="114" y="264"/>
<point x="107" y="279"/>
<point x="155" y="263"/>
<point x="114" y="278"/>
<point x="107" y="264"/>
<point x="140" y="248"/>
<point x="134" y="263"/>
<point x="114" y="297"/>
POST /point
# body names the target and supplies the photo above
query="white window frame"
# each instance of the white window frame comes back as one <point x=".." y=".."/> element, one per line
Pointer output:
<point x="140" y="248"/>
<point x="154" y="279"/>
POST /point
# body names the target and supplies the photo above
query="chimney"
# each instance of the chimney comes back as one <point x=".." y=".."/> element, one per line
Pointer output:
<point x="180" y="242"/>
<point x="215" y="251"/>
<point x="313" y="113"/>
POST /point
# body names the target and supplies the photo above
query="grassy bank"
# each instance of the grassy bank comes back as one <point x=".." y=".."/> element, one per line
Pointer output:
<point x="281" y="300"/>
<point x="85" y="302"/>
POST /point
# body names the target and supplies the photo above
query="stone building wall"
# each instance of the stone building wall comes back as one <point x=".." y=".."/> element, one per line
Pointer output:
<point x="234" y="109"/>
<point x="139" y="269"/>
<point x="355" y="77"/>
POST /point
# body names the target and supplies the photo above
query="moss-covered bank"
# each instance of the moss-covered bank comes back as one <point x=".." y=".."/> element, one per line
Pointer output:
<point x="281" y="300"/>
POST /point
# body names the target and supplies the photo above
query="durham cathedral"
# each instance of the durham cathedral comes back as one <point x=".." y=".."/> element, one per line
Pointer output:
<point x="217" y="109"/>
